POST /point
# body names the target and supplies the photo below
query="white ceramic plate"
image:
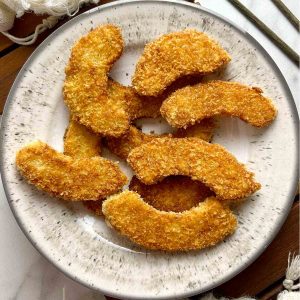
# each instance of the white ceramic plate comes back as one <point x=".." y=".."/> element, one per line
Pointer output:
<point x="80" y="244"/>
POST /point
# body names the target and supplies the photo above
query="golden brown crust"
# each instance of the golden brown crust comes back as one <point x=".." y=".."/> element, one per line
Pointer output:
<point x="174" y="193"/>
<point x="68" y="178"/>
<point x="209" y="163"/>
<point x="142" y="107"/>
<point x="204" y="130"/>
<point x="86" y="90"/>
<point x="135" y="105"/>
<point x="80" y="142"/>
<point x="200" y="227"/>
<point x="149" y="107"/>
<point x="191" y="104"/>
<point x="174" y="55"/>
<point x="134" y="137"/>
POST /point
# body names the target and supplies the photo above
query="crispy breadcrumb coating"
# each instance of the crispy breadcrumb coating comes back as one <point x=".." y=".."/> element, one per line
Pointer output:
<point x="142" y="107"/>
<point x="204" y="130"/>
<point x="191" y="104"/>
<point x="149" y="107"/>
<point x="134" y="137"/>
<point x="135" y="105"/>
<point x="200" y="227"/>
<point x="174" y="55"/>
<point x="80" y="142"/>
<point x="174" y="193"/>
<point x="68" y="178"/>
<point x="86" y="91"/>
<point x="209" y="163"/>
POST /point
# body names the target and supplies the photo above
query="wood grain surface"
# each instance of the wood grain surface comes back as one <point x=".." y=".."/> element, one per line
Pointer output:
<point x="271" y="265"/>
<point x="263" y="278"/>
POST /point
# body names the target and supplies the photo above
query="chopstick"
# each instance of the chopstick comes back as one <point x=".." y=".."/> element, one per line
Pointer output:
<point x="288" y="14"/>
<point x="293" y="55"/>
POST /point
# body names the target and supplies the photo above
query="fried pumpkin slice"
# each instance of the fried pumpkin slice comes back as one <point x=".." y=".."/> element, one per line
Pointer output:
<point x="142" y="107"/>
<point x="86" y="91"/>
<point x="204" y="130"/>
<point x="131" y="139"/>
<point x="202" y="226"/>
<point x="174" y="193"/>
<point x="80" y="142"/>
<point x="134" y="137"/>
<point x="174" y="55"/>
<point x="149" y="107"/>
<point x="209" y="163"/>
<point x="191" y="104"/>
<point x="68" y="178"/>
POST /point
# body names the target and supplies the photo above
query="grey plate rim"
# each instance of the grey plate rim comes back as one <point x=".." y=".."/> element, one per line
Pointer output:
<point x="290" y="98"/>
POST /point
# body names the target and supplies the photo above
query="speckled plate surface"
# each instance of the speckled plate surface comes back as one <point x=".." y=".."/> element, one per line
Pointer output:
<point x="80" y="244"/>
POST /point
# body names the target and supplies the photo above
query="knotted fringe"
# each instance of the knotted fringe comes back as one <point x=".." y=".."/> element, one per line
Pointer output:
<point x="56" y="10"/>
<point x="46" y="23"/>
<point x="292" y="275"/>
<point x="290" y="293"/>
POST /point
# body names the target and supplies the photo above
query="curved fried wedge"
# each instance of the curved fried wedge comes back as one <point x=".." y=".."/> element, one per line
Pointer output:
<point x="174" y="55"/>
<point x="131" y="139"/>
<point x="134" y="137"/>
<point x="142" y="107"/>
<point x="204" y="130"/>
<point x="191" y="104"/>
<point x="80" y="142"/>
<point x="200" y="227"/>
<point x="174" y="193"/>
<point x="149" y="107"/>
<point x="68" y="178"/>
<point x="86" y="90"/>
<point x="135" y="105"/>
<point x="209" y="163"/>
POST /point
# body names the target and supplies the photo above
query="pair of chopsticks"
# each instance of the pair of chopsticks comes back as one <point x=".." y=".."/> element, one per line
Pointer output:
<point x="293" y="55"/>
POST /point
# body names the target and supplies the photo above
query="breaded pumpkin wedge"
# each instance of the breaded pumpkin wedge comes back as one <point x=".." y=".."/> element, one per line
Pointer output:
<point x="208" y="163"/>
<point x="192" y="104"/>
<point x="66" y="177"/>
<point x="142" y="107"/>
<point x="134" y="137"/>
<point x="202" y="226"/>
<point x="149" y="107"/>
<point x="173" y="55"/>
<point x="80" y="142"/>
<point x="131" y="139"/>
<point x="204" y="130"/>
<point x="174" y="193"/>
<point x="86" y="85"/>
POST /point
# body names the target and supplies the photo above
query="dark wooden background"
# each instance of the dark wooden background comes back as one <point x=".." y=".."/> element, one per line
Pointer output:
<point x="264" y="277"/>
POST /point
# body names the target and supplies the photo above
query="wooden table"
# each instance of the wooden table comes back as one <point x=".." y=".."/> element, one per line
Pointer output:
<point x="264" y="277"/>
